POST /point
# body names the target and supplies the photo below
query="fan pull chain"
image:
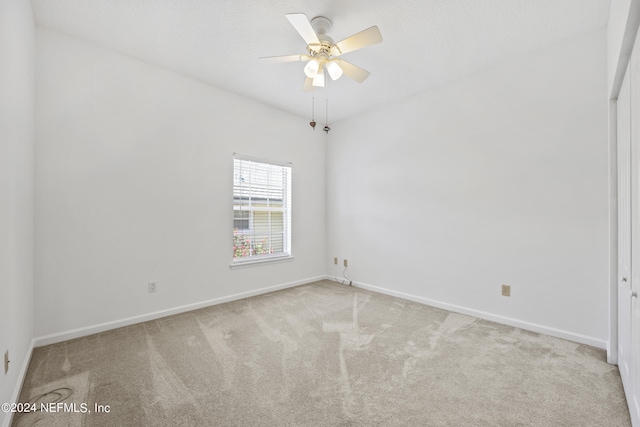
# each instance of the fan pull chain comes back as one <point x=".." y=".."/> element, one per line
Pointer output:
<point x="312" y="123"/>
<point x="326" y="117"/>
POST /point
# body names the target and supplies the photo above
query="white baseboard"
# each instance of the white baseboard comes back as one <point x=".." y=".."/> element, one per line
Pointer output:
<point x="612" y="354"/>
<point x="18" y="387"/>
<point x="94" y="329"/>
<point x="558" y="333"/>
<point x="89" y="330"/>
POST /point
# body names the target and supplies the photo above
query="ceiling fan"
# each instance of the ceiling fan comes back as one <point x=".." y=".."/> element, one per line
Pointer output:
<point x="323" y="52"/>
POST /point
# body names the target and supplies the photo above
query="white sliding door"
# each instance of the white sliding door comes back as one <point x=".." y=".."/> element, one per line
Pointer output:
<point x="633" y="391"/>
<point x="624" y="231"/>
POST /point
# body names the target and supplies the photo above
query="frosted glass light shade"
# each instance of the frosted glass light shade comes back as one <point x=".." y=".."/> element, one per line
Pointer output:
<point x="318" y="80"/>
<point x="334" y="70"/>
<point x="312" y="67"/>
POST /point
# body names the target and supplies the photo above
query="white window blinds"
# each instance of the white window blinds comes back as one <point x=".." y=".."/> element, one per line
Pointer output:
<point x="261" y="209"/>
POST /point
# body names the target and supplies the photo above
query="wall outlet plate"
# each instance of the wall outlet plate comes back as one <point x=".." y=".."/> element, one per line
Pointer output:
<point x="335" y="260"/>
<point x="152" y="287"/>
<point x="6" y="362"/>
<point x="345" y="262"/>
<point x="506" y="290"/>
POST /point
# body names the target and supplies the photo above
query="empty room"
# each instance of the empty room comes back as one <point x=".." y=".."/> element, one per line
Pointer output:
<point x="299" y="213"/>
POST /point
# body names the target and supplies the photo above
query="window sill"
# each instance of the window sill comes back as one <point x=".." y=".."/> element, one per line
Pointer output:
<point x="254" y="262"/>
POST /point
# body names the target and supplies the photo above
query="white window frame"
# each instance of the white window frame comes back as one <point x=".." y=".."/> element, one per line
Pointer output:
<point x="242" y="162"/>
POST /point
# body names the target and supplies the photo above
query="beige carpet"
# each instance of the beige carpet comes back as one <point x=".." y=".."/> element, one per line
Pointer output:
<point x="323" y="354"/>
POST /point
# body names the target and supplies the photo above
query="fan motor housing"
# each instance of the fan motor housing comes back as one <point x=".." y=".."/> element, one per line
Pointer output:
<point x="321" y="25"/>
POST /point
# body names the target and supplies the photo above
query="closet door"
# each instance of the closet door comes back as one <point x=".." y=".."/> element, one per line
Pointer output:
<point x="634" y="397"/>
<point x="624" y="231"/>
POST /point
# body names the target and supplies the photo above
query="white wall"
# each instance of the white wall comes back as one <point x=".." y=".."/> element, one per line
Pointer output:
<point x="134" y="184"/>
<point x="17" y="59"/>
<point x="500" y="177"/>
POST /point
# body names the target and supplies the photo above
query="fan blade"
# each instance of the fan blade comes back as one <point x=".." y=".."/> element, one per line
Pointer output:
<point x="362" y="39"/>
<point x="353" y="72"/>
<point x="308" y="85"/>
<point x="302" y="25"/>
<point x="285" y="58"/>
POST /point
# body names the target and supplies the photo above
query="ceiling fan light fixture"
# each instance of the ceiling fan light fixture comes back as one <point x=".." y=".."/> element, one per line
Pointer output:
<point x="334" y="70"/>
<point x="312" y="68"/>
<point x="318" y="80"/>
<point x="321" y="50"/>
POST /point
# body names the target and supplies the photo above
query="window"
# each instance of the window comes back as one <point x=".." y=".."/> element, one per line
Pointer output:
<point x="261" y="210"/>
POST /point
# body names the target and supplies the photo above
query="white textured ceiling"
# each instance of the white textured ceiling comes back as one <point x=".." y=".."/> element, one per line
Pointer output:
<point x="426" y="42"/>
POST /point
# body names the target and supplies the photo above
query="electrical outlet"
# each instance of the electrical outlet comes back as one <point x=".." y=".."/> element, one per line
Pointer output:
<point x="335" y="260"/>
<point x="345" y="262"/>
<point x="152" y="287"/>
<point x="506" y="290"/>
<point x="6" y="362"/>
